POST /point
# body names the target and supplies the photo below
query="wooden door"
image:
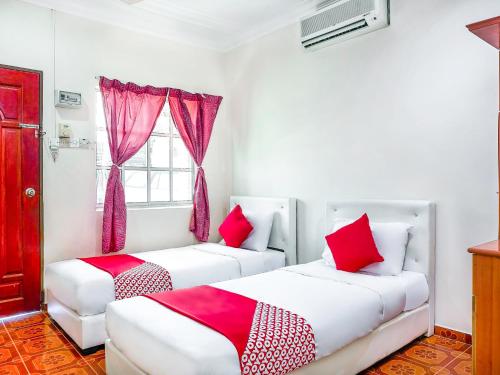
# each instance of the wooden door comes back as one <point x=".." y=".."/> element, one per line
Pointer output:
<point x="20" y="264"/>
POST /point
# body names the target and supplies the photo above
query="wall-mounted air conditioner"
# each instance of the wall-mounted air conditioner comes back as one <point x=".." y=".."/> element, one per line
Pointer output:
<point x="338" y="20"/>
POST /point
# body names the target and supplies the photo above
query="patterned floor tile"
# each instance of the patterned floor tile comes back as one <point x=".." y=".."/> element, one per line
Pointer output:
<point x="26" y="320"/>
<point x="10" y="360"/>
<point x="85" y="370"/>
<point x="399" y="366"/>
<point x="98" y="363"/>
<point x="55" y="361"/>
<point x="4" y="338"/>
<point x="435" y="355"/>
<point x="32" y="331"/>
<point x="427" y="355"/>
<point x="13" y="369"/>
<point x="462" y="365"/>
<point x="41" y="344"/>
<point x="8" y="353"/>
<point x="445" y="343"/>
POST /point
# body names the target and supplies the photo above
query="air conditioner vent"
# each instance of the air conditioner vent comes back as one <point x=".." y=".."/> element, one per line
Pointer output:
<point x="338" y="14"/>
<point x="325" y="4"/>
<point x="343" y="19"/>
<point x="336" y="34"/>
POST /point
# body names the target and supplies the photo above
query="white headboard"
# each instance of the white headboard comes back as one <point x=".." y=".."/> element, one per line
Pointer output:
<point x="284" y="232"/>
<point x="420" y="252"/>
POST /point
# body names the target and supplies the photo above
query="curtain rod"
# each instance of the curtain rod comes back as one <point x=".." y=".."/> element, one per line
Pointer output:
<point x="140" y="84"/>
<point x="99" y="77"/>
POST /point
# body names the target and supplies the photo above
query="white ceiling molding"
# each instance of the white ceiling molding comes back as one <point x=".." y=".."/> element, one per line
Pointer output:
<point x="214" y="24"/>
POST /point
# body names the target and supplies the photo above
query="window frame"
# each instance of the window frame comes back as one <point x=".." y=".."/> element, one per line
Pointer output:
<point x="149" y="169"/>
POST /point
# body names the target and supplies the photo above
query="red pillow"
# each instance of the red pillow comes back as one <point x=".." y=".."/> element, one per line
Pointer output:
<point x="235" y="228"/>
<point x="353" y="246"/>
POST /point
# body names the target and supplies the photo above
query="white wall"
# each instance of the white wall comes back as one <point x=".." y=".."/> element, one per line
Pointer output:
<point x="72" y="225"/>
<point x="408" y="112"/>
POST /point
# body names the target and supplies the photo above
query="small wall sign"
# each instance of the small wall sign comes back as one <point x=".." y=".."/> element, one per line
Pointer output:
<point x="68" y="99"/>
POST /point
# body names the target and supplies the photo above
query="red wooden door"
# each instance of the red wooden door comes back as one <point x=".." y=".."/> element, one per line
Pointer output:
<point x="19" y="191"/>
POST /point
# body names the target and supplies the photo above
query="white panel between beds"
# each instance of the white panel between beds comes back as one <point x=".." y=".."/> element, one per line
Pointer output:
<point x="284" y="231"/>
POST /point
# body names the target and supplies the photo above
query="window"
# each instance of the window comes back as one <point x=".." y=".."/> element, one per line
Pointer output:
<point x="160" y="174"/>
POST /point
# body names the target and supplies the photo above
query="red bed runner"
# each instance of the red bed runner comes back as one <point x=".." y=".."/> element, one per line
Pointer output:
<point x="268" y="339"/>
<point x="132" y="276"/>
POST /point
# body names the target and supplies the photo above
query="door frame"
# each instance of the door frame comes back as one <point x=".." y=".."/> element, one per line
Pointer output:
<point x="40" y="156"/>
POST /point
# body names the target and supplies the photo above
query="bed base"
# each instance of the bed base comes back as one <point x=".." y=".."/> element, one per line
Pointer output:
<point x="88" y="332"/>
<point x="350" y="360"/>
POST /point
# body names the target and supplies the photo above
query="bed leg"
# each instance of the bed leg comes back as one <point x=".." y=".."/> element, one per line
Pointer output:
<point x="91" y="350"/>
<point x="430" y="332"/>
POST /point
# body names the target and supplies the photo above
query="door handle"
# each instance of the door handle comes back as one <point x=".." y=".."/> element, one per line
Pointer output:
<point x="30" y="192"/>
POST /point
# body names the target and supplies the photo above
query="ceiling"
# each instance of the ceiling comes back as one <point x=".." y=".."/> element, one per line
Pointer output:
<point x="215" y="24"/>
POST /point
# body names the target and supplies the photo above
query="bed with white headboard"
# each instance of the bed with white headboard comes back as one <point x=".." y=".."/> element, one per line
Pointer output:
<point x="315" y="291"/>
<point x="77" y="293"/>
<point x="420" y="251"/>
<point x="419" y="258"/>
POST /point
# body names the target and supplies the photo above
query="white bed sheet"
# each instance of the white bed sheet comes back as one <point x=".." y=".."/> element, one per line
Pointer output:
<point x="415" y="283"/>
<point x="87" y="290"/>
<point x="341" y="307"/>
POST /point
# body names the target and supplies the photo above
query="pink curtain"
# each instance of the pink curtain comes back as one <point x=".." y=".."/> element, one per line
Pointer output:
<point x="131" y="112"/>
<point x="194" y="116"/>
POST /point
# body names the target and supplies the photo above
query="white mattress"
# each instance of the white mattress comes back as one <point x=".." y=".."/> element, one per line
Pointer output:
<point x="87" y="290"/>
<point x="341" y="307"/>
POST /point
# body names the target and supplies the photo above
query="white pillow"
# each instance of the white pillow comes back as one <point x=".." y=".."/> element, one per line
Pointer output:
<point x="258" y="239"/>
<point x="262" y="223"/>
<point x="391" y="240"/>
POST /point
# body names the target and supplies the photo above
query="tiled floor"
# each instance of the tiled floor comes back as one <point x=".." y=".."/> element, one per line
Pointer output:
<point x="34" y="345"/>
<point x="432" y="355"/>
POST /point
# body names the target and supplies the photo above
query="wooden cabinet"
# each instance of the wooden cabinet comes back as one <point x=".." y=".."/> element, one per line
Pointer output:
<point x="486" y="308"/>
<point x="486" y="263"/>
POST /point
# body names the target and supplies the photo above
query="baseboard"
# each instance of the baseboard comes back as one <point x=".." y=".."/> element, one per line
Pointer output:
<point x="452" y="334"/>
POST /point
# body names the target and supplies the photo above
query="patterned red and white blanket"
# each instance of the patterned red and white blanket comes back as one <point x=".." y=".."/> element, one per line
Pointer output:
<point x="268" y="339"/>
<point x="132" y="276"/>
